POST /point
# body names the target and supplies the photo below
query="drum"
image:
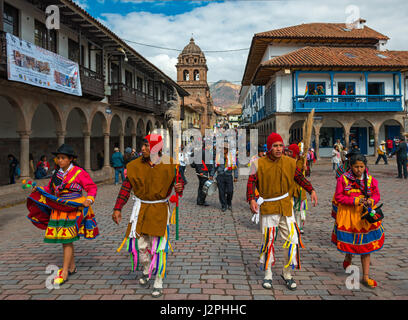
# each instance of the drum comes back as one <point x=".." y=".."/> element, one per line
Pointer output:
<point x="210" y="187"/>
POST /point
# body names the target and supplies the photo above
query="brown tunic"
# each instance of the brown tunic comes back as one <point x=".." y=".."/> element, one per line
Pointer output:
<point x="152" y="183"/>
<point x="275" y="178"/>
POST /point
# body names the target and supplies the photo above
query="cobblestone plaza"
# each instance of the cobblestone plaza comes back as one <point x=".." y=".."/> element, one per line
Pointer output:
<point x="216" y="256"/>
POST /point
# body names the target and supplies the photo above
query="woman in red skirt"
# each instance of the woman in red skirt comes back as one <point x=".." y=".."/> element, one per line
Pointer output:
<point x="62" y="211"/>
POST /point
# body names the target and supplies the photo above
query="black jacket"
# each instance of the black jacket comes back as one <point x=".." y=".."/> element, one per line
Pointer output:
<point x="401" y="151"/>
<point x="200" y="168"/>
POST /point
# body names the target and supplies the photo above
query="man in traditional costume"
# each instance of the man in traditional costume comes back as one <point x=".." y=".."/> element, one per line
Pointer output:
<point x="275" y="179"/>
<point x="151" y="177"/>
<point x="299" y="196"/>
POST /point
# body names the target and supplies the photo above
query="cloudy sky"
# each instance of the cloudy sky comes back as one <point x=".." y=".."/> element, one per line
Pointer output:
<point x="230" y="25"/>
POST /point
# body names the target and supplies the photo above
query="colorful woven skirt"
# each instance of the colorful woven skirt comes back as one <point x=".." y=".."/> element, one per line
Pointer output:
<point x="64" y="221"/>
<point x="354" y="235"/>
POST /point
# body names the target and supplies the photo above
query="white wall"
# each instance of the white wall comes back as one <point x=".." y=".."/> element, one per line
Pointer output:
<point x="274" y="50"/>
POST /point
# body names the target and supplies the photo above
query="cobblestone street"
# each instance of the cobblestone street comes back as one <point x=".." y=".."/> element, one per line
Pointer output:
<point x="217" y="254"/>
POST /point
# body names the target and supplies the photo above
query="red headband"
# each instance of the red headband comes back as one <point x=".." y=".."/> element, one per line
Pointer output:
<point x="273" y="137"/>
<point x="295" y="149"/>
<point x="155" y="142"/>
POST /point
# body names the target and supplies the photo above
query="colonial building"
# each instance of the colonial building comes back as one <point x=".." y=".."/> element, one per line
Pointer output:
<point x="124" y="96"/>
<point x="192" y="76"/>
<point x="357" y="88"/>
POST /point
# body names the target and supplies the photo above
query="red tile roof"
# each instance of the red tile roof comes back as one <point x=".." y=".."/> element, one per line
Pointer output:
<point x="320" y="33"/>
<point x="323" y="30"/>
<point x="332" y="58"/>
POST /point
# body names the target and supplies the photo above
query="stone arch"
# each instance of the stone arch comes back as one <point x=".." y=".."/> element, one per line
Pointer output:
<point x="196" y="75"/>
<point x="329" y="131"/>
<point x="140" y="134"/>
<point x="363" y="133"/>
<point x="186" y="75"/>
<point x="115" y="131"/>
<point x="98" y="128"/>
<point x="149" y="127"/>
<point x="76" y="128"/>
<point x="45" y="124"/>
<point x="12" y="122"/>
<point x="130" y="130"/>
<point x="389" y="129"/>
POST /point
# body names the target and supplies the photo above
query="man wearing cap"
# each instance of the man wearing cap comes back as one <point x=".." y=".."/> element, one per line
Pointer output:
<point x="117" y="162"/>
<point x="151" y="177"/>
<point x="275" y="179"/>
<point x="225" y="169"/>
<point x="381" y="153"/>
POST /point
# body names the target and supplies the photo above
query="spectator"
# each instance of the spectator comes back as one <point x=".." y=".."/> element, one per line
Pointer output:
<point x="117" y="162"/>
<point x="42" y="168"/>
<point x="381" y="153"/>
<point x="129" y="156"/>
<point x="13" y="166"/>
<point x="335" y="158"/>
<point x="390" y="146"/>
<point x="401" y="152"/>
<point x="339" y="146"/>
<point x="100" y="159"/>
<point x="183" y="164"/>
<point x="31" y="164"/>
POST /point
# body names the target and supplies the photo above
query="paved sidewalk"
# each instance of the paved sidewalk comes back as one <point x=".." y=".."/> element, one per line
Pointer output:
<point x="216" y="256"/>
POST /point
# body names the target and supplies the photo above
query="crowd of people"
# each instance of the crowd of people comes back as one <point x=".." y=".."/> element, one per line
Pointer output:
<point x="277" y="189"/>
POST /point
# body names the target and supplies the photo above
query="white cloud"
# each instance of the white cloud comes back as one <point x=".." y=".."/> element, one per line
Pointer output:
<point x="232" y="24"/>
<point x="82" y="3"/>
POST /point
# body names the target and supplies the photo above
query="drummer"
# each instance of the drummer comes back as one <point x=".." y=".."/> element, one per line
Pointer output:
<point x="225" y="169"/>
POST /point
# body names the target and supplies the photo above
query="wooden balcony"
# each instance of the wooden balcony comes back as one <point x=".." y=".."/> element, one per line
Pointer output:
<point x="92" y="83"/>
<point x="122" y="95"/>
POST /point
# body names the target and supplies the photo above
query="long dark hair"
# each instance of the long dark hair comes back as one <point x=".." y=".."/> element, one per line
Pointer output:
<point x="360" y="157"/>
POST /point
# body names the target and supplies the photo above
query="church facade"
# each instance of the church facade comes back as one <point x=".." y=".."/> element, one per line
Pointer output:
<point x="192" y="76"/>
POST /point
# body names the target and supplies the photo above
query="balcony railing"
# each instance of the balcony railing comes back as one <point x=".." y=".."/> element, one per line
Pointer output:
<point x="93" y="86"/>
<point x="122" y="95"/>
<point x="347" y="103"/>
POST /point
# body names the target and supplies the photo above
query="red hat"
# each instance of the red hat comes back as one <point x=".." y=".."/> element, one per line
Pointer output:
<point x="273" y="137"/>
<point x="155" y="142"/>
<point x="295" y="149"/>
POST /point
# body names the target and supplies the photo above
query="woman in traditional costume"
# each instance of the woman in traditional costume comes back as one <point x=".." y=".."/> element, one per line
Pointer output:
<point x="62" y="211"/>
<point x="352" y="234"/>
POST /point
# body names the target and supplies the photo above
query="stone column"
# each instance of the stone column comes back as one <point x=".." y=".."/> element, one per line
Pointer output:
<point x="376" y="133"/>
<point x="87" y="151"/>
<point x="347" y="138"/>
<point x="24" y="154"/>
<point x="134" y="141"/>
<point x="122" y="143"/>
<point x="61" y="137"/>
<point x="106" y="150"/>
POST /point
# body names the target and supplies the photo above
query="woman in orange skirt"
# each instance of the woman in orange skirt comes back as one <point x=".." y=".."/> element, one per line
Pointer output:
<point x="62" y="211"/>
<point x="353" y="235"/>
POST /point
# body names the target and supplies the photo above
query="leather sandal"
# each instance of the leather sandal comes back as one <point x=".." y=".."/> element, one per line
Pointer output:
<point x="73" y="272"/>
<point x="267" y="284"/>
<point x="370" y="283"/>
<point x="289" y="283"/>
<point x="144" y="281"/>
<point x="157" y="292"/>
<point x="69" y="272"/>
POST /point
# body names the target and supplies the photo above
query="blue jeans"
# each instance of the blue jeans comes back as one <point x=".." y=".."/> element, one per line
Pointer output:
<point x="122" y="174"/>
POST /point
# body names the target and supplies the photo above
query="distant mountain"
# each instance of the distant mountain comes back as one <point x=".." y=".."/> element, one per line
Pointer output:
<point x="225" y="94"/>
